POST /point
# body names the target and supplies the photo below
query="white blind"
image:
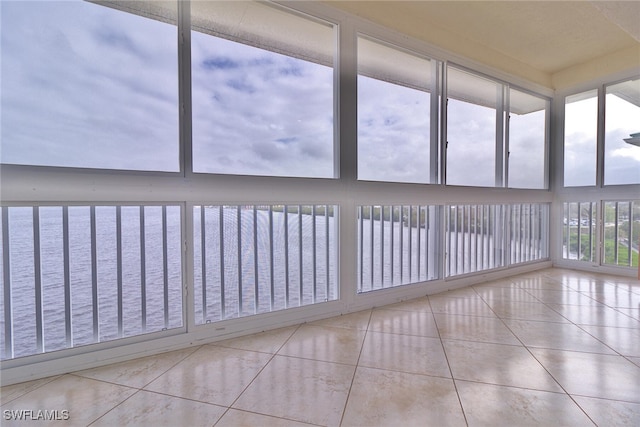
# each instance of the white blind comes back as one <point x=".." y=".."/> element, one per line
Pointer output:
<point x="267" y="27"/>
<point x="473" y="89"/>
<point x="393" y="65"/>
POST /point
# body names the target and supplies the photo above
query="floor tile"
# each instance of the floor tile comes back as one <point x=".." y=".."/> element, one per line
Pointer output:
<point x="497" y="364"/>
<point x="625" y="341"/>
<point x="85" y="399"/>
<point x="152" y="409"/>
<point x="403" y="322"/>
<point x="499" y="294"/>
<point x="138" y="372"/>
<point x="299" y="389"/>
<point x="463" y="306"/>
<point x="616" y="297"/>
<point x="525" y="311"/>
<point x="632" y="282"/>
<point x="383" y="398"/>
<point x="325" y="343"/>
<point x="417" y="304"/>
<point x="584" y="283"/>
<point x="492" y="405"/>
<point x="566" y="297"/>
<point x="506" y="282"/>
<point x="561" y="336"/>
<point x="631" y="312"/>
<point x="237" y="418"/>
<point x="466" y="292"/>
<point x="266" y="342"/>
<point x="358" y="320"/>
<point x="474" y="328"/>
<point x="212" y="374"/>
<point x="538" y="282"/>
<point x="406" y="353"/>
<point x="610" y="412"/>
<point x="592" y="375"/>
<point x="597" y="316"/>
<point x="12" y="392"/>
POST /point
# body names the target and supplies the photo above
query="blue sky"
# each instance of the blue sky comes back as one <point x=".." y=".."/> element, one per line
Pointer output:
<point x="85" y="85"/>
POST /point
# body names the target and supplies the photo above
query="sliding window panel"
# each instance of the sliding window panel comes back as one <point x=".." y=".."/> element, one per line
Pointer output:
<point x="529" y="226"/>
<point x="621" y="233"/>
<point x="397" y="245"/>
<point x="580" y="139"/>
<point x="579" y="231"/>
<point x="395" y="90"/>
<point x="622" y="133"/>
<point x="262" y="258"/>
<point x="472" y="111"/>
<point x="262" y="90"/>
<point x="476" y="237"/>
<point x="93" y="87"/>
<point x="79" y="275"/>
<point x="527" y="140"/>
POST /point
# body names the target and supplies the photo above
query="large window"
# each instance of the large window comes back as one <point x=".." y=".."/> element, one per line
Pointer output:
<point x="622" y="123"/>
<point x="262" y="83"/>
<point x="619" y="238"/>
<point x="621" y="136"/>
<point x="580" y="139"/>
<point x="471" y="129"/>
<point x="527" y="140"/>
<point x="258" y="259"/>
<point x="84" y="85"/>
<point x="394" y="114"/>
<point x="78" y="275"/>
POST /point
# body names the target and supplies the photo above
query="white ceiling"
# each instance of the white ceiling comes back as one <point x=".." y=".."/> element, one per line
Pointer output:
<point x="548" y="36"/>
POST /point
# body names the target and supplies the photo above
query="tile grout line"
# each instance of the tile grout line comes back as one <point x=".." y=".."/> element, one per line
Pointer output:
<point x="112" y="409"/>
<point x="541" y="364"/>
<point x="51" y="379"/>
<point x="256" y="376"/>
<point x="455" y="385"/>
<point x="353" y="378"/>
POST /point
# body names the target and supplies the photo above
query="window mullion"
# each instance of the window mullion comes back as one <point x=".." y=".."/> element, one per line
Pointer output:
<point x="499" y="135"/>
<point x="507" y="118"/>
<point x="600" y="137"/>
<point x="444" y="143"/>
<point x="184" y="87"/>
<point x="435" y="123"/>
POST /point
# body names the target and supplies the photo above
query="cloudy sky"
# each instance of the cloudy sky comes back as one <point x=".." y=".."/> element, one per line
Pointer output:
<point x="622" y="160"/>
<point x="393" y="132"/>
<point x="84" y="85"/>
<point x="88" y="86"/>
<point x="258" y="112"/>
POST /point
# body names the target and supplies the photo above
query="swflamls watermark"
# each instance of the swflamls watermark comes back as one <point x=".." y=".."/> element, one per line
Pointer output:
<point x="35" y="415"/>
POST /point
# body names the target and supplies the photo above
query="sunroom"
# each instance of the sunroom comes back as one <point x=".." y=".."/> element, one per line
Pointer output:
<point x="179" y="173"/>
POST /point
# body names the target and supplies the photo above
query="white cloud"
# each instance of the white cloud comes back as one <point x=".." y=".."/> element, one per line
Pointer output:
<point x="471" y="144"/>
<point x="88" y="86"/>
<point x="393" y="132"/>
<point x="257" y="112"/>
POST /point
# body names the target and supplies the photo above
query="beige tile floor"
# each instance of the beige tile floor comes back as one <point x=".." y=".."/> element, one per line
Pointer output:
<point x="550" y="348"/>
